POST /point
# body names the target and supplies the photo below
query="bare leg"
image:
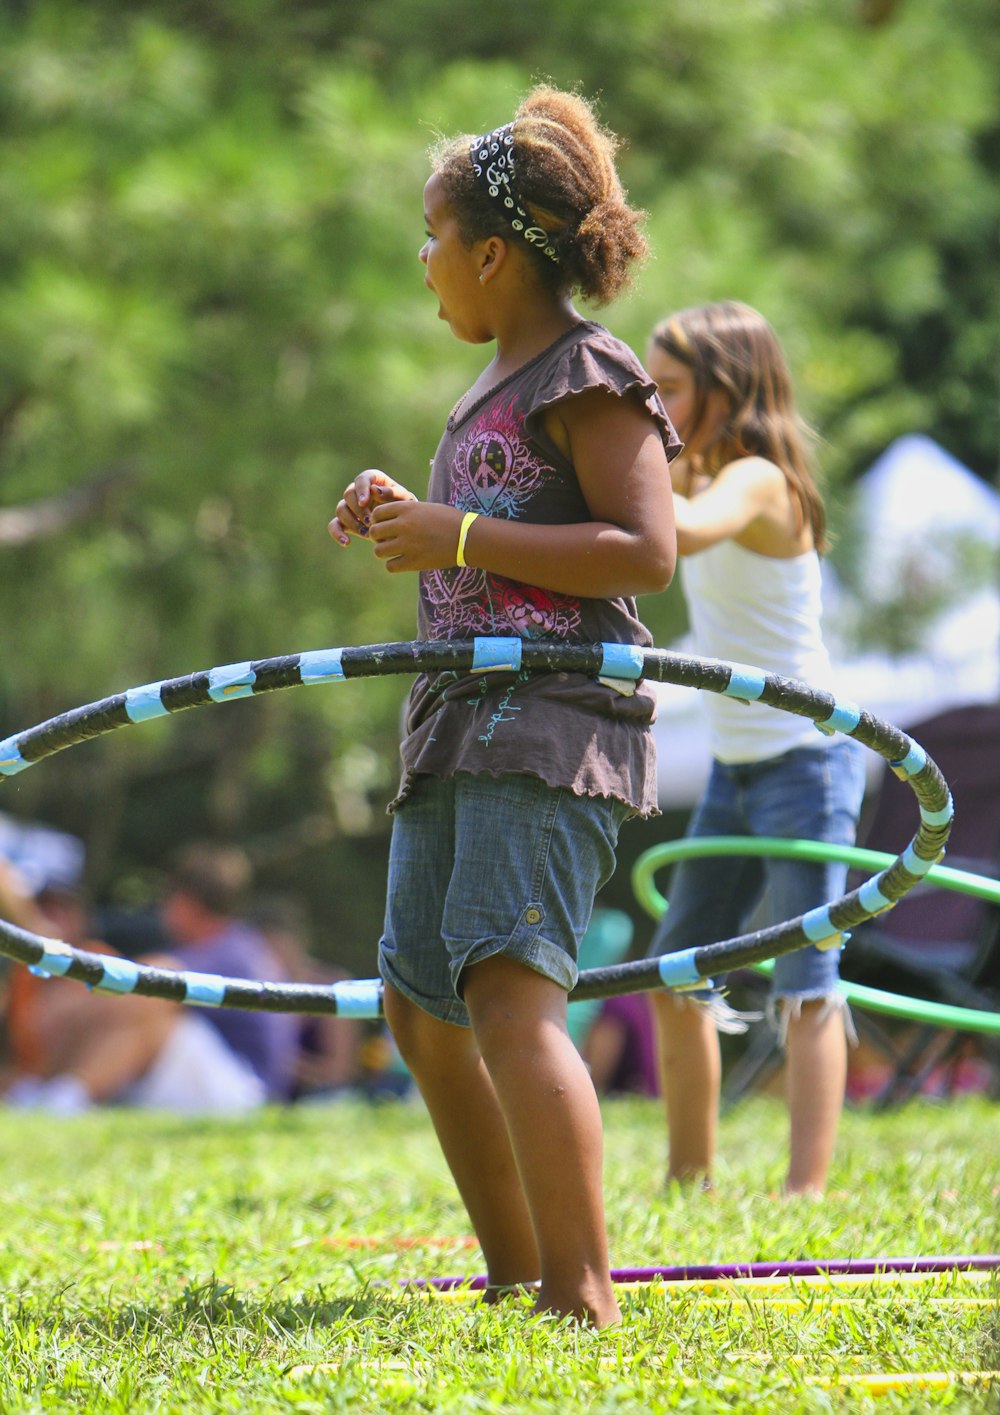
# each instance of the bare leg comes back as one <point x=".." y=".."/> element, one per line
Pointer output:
<point x="107" y="1042"/>
<point x="816" y="1075"/>
<point x="690" y="1079"/>
<point x="554" y="1122"/>
<point x="453" y="1080"/>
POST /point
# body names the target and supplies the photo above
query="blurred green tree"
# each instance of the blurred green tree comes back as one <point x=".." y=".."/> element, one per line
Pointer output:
<point x="211" y="316"/>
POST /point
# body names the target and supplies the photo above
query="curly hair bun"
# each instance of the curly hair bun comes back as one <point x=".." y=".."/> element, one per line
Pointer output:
<point x="567" y="178"/>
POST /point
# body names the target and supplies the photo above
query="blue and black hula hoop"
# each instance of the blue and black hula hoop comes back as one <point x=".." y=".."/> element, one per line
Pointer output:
<point x="827" y="926"/>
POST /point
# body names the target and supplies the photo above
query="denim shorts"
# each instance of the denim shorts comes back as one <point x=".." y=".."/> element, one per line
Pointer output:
<point x="810" y="793"/>
<point x="482" y="865"/>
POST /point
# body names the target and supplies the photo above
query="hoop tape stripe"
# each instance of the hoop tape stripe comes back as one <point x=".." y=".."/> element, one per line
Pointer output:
<point x="359" y="999"/>
<point x="915" y="863"/>
<point x="844" y="718"/>
<point x="233" y="680"/>
<point x="145" y="703"/>
<point x="622" y="661"/>
<point x="204" y="989"/>
<point x="53" y="964"/>
<point x="914" y="761"/>
<point x="872" y="898"/>
<point x="817" y="924"/>
<point x="746" y="683"/>
<point x="490" y="654"/>
<point x="679" y="970"/>
<point x="321" y="666"/>
<point x="120" y="975"/>
<point x="11" y="761"/>
<point x="941" y="817"/>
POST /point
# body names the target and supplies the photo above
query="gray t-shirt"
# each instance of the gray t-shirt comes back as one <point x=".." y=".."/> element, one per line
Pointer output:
<point x="566" y="728"/>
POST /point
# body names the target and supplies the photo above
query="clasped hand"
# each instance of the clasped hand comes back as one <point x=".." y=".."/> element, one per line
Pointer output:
<point x="405" y="533"/>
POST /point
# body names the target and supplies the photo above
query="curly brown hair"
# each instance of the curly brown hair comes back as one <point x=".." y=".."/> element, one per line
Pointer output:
<point x="568" y="183"/>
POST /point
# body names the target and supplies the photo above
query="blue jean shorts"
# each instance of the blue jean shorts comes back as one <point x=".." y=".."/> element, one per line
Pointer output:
<point x="482" y="865"/>
<point x="810" y="793"/>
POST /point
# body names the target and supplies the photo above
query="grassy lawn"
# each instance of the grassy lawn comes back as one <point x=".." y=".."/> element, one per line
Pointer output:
<point x="154" y="1264"/>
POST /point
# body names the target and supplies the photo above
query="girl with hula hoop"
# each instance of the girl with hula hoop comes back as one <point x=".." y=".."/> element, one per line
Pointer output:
<point x="549" y="509"/>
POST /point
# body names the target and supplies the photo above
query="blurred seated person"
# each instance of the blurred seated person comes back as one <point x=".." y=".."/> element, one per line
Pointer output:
<point x="384" y="1074"/>
<point x="73" y="1048"/>
<point x="327" y="1059"/>
<point x="620" y="1048"/>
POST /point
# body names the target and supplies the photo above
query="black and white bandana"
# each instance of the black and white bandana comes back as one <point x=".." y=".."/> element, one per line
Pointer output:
<point x="492" y="158"/>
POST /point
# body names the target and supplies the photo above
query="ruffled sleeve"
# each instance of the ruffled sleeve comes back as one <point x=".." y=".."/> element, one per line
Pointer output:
<point x="594" y="358"/>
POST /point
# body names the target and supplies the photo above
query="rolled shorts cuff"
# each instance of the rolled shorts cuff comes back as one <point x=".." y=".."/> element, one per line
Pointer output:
<point x="445" y="1009"/>
<point x="524" y="945"/>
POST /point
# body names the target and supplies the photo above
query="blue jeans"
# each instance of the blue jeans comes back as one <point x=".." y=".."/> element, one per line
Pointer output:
<point x="810" y="793"/>
<point x="481" y="865"/>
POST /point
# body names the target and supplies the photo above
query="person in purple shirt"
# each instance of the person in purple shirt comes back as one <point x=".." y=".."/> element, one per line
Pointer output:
<point x="200" y="913"/>
<point x="620" y="1048"/>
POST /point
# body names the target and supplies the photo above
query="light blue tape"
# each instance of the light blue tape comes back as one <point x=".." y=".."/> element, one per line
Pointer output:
<point x="357" y="999"/>
<point x="871" y="897"/>
<point x="232" y="680"/>
<point x="321" y="666"/>
<point x="914" y="761"/>
<point x="51" y="965"/>
<point x="496" y="653"/>
<point x="143" y="703"/>
<point x="621" y="661"/>
<point x="817" y="924"/>
<point x="844" y="718"/>
<point x="11" y="761"/>
<point x="941" y="817"/>
<point x="120" y="975"/>
<point x="204" y="989"/>
<point x="678" y="970"/>
<point x="746" y="683"/>
<point x="915" y="863"/>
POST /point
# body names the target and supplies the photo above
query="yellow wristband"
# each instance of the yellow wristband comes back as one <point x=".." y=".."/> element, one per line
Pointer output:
<point x="467" y="521"/>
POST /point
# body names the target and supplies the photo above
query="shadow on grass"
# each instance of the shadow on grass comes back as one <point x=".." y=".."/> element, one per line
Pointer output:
<point x="214" y="1306"/>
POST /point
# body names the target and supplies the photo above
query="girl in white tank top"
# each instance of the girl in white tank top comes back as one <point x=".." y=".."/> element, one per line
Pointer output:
<point x="750" y="530"/>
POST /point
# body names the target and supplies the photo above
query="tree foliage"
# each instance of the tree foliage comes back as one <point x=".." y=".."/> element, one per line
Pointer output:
<point x="211" y="311"/>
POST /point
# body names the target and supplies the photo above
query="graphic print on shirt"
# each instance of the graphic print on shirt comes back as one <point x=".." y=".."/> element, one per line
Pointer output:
<point x="497" y="473"/>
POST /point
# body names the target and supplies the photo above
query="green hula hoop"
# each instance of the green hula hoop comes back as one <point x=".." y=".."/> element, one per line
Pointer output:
<point x="939" y="1014"/>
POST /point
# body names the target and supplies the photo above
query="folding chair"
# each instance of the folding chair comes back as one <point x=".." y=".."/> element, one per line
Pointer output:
<point x="938" y="944"/>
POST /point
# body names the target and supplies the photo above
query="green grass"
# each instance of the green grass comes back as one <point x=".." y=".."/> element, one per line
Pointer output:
<point x="152" y="1264"/>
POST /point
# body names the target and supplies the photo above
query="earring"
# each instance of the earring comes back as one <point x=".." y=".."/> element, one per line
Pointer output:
<point x="482" y="277"/>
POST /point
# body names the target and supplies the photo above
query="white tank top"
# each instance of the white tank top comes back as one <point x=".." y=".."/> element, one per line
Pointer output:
<point x="758" y="610"/>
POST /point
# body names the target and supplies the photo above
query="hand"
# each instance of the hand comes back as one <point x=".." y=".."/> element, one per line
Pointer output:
<point x="369" y="489"/>
<point x="415" y="535"/>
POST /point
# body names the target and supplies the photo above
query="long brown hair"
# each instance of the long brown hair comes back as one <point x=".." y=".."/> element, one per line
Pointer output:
<point x="731" y="347"/>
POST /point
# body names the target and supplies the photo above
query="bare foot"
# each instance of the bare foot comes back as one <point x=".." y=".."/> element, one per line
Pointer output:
<point x="594" y="1307"/>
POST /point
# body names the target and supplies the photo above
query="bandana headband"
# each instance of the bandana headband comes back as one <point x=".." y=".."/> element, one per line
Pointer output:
<point x="492" y="158"/>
